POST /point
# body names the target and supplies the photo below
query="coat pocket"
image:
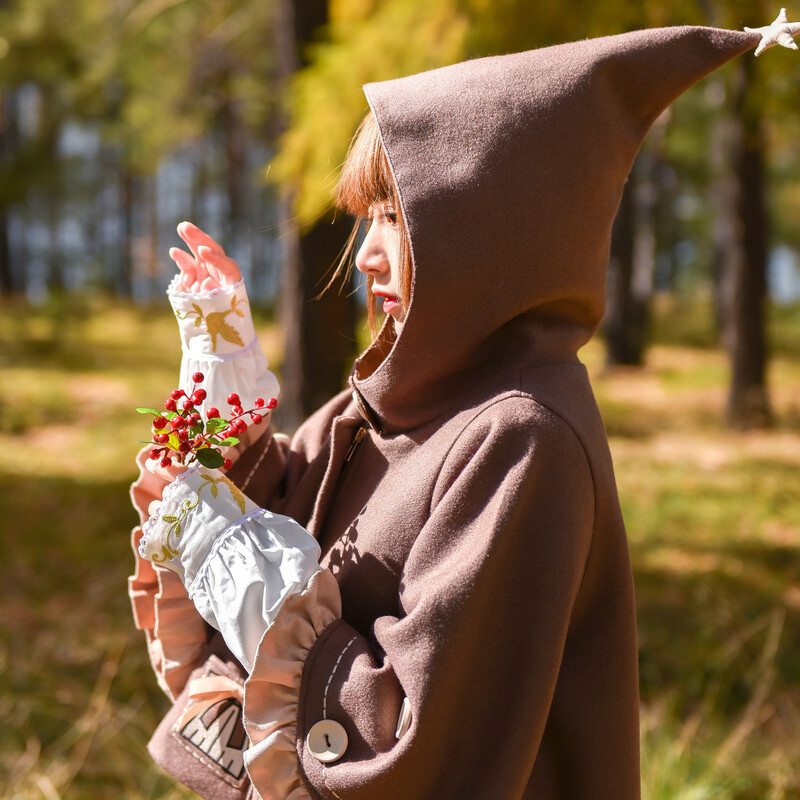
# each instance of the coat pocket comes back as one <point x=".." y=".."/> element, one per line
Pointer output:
<point x="201" y="741"/>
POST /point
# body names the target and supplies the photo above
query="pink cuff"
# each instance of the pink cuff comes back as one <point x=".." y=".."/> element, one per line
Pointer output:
<point x="272" y="690"/>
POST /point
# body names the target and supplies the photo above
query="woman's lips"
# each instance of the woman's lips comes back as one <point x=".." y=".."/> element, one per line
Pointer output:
<point x="390" y="301"/>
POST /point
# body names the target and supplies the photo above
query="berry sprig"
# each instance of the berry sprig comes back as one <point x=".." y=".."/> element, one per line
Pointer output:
<point x="179" y="432"/>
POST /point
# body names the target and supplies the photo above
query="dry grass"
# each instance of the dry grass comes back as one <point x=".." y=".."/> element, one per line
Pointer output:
<point x="713" y="520"/>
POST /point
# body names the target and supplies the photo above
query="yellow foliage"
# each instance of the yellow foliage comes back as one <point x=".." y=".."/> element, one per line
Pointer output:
<point x="326" y="102"/>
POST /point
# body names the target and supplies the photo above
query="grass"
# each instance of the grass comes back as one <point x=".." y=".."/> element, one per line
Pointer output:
<point x="713" y="521"/>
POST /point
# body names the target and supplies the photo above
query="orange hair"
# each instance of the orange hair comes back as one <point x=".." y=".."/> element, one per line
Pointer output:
<point x="366" y="179"/>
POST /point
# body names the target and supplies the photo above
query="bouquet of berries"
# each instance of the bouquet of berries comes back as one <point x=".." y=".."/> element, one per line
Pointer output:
<point x="180" y="433"/>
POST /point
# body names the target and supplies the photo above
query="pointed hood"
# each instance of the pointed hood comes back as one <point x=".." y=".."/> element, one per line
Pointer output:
<point x="509" y="172"/>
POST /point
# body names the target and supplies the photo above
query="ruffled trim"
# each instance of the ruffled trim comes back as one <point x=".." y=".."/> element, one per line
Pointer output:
<point x="206" y="294"/>
<point x="221" y="541"/>
<point x="273" y="688"/>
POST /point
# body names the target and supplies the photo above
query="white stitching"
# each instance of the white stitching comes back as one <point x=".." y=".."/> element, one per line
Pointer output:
<point x="327" y="786"/>
<point x="333" y="672"/>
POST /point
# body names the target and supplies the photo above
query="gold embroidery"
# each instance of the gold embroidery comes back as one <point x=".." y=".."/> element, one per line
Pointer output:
<point x="170" y="551"/>
<point x="215" y="322"/>
<point x="212" y="485"/>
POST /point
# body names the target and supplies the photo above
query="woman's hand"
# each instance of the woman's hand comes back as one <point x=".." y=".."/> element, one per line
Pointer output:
<point x="207" y="267"/>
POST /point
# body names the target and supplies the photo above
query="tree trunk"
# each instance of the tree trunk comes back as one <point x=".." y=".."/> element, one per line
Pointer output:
<point x="631" y="266"/>
<point x="123" y="284"/>
<point x="6" y="273"/>
<point x="743" y="261"/>
<point x="318" y="333"/>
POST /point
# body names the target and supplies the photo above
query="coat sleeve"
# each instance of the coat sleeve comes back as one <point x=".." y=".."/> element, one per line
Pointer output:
<point x="487" y="594"/>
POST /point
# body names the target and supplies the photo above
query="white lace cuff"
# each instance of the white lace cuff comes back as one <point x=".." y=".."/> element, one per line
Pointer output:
<point x="238" y="561"/>
<point x="195" y="509"/>
<point x="219" y="340"/>
<point x="252" y="568"/>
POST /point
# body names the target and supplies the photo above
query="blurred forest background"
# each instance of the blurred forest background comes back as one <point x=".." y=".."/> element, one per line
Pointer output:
<point x="120" y="118"/>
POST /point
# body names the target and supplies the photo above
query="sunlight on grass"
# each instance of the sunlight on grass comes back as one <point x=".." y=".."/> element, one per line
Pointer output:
<point x="713" y="520"/>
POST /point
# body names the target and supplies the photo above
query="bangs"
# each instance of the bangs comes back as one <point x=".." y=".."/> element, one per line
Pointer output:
<point x="365" y="178"/>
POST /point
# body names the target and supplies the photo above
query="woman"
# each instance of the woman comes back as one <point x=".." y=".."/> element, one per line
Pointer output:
<point x="468" y="630"/>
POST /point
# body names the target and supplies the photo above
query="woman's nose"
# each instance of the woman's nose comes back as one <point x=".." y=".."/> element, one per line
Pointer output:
<point x="371" y="258"/>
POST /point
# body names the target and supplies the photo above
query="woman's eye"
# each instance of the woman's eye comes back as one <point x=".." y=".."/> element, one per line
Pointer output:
<point x="391" y="216"/>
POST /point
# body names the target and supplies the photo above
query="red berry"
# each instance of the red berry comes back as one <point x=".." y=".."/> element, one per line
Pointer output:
<point x="176" y="394"/>
<point x="238" y="410"/>
<point x="212" y="412"/>
<point x="154" y="453"/>
<point x="241" y="425"/>
<point x="159" y="422"/>
<point x="233" y="399"/>
<point x="162" y="438"/>
<point x="198" y="377"/>
<point x="177" y="422"/>
<point x="227" y="463"/>
<point x="193" y="419"/>
<point x="184" y="447"/>
<point x="259" y="402"/>
<point x="198" y="396"/>
<point x="166" y="462"/>
<point x="171" y="405"/>
<point x="271" y="403"/>
<point x="183" y="435"/>
<point x="257" y="418"/>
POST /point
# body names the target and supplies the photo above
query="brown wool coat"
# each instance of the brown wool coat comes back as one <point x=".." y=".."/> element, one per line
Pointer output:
<point x="475" y="533"/>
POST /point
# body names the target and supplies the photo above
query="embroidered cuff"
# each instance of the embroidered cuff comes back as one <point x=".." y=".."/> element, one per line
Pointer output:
<point x="219" y="340"/>
<point x="195" y="509"/>
<point x="215" y="322"/>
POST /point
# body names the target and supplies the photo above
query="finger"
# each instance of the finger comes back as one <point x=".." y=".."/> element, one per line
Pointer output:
<point x="196" y="270"/>
<point x="167" y="474"/>
<point x="208" y="284"/>
<point x="186" y="264"/>
<point x="195" y="237"/>
<point x="227" y="269"/>
<point x="203" y="254"/>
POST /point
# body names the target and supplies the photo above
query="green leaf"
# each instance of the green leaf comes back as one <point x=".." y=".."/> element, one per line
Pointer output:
<point x="229" y="441"/>
<point x="149" y="411"/>
<point x="215" y="424"/>
<point x="210" y="458"/>
<point x="196" y="429"/>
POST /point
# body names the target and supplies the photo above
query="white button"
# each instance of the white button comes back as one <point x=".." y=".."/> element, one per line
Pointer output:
<point x="327" y="741"/>
<point x="403" y="719"/>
